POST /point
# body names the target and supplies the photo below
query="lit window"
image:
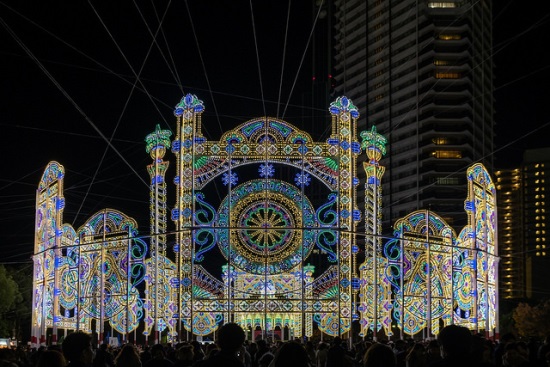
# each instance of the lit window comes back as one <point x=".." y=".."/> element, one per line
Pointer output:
<point x="441" y="5"/>
<point x="447" y="154"/>
<point x="440" y="141"/>
<point x="441" y="62"/>
<point x="447" y="75"/>
<point x="447" y="37"/>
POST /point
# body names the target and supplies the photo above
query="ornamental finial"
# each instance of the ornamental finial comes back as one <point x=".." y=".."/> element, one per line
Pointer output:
<point x="343" y="104"/>
<point x="189" y="103"/>
<point x="159" y="139"/>
<point x="374" y="144"/>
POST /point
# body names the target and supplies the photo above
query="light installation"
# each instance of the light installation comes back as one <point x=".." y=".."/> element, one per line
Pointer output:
<point x="85" y="279"/>
<point x="375" y="297"/>
<point x="254" y="212"/>
<point x="158" y="302"/>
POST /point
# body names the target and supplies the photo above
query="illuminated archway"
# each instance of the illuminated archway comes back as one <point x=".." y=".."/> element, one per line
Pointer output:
<point x="263" y="198"/>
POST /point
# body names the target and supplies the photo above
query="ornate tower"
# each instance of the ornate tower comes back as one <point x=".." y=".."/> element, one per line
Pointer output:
<point x="188" y="113"/>
<point x="375" y="295"/>
<point x="156" y="292"/>
<point x="47" y="249"/>
<point x="345" y="147"/>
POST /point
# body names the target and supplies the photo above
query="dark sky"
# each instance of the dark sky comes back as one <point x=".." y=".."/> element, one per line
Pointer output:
<point x="68" y="69"/>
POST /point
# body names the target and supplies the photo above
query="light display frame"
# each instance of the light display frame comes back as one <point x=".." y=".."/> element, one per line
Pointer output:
<point x="265" y="227"/>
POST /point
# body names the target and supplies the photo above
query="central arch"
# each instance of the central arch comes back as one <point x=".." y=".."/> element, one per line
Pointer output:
<point x="266" y="195"/>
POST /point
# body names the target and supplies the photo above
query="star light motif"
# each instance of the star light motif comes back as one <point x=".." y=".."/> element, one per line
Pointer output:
<point x="266" y="170"/>
<point x="302" y="179"/>
<point x="232" y="180"/>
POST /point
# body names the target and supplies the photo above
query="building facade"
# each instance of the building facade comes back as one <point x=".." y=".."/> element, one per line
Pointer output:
<point x="510" y="230"/>
<point x="536" y="168"/>
<point x="422" y="71"/>
<point x="522" y="227"/>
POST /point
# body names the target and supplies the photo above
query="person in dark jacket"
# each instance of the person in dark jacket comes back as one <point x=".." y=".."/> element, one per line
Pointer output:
<point x="230" y="341"/>
<point x="77" y="349"/>
<point x="455" y="343"/>
<point x="158" y="357"/>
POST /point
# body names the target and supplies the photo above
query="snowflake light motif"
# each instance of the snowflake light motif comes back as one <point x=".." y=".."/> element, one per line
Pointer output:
<point x="233" y="179"/>
<point x="266" y="170"/>
<point x="302" y="179"/>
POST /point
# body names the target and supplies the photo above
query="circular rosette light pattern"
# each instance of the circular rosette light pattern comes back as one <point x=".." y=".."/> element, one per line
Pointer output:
<point x="269" y="226"/>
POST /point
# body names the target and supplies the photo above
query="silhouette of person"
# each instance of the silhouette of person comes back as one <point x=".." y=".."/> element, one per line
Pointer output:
<point x="230" y="341"/>
<point x="455" y="343"/>
<point x="128" y="357"/>
<point x="77" y="349"/>
<point x="337" y="355"/>
<point x="51" y="358"/>
<point x="291" y="354"/>
<point x="379" y="355"/>
<point x="158" y="357"/>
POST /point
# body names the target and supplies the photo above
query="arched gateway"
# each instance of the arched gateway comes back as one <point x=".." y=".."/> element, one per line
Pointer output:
<point x="265" y="235"/>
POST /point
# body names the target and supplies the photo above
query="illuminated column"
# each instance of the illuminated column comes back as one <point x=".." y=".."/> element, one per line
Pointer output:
<point x="344" y="136"/>
<point x="188" y="113"/>
<point x="308" y="284"/>
<point x="375" y="291"/>
<point x="102" y="287"/>
<point x="228" y="276"/>
<point x="47" y="242"/>
<point x="157" y="144"/>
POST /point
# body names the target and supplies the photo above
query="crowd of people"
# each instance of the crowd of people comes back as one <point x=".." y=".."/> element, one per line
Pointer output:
<point x="454" y="346"/>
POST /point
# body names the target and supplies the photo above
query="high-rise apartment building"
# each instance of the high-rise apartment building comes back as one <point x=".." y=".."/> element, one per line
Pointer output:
<point x="522" y="227"/>
<point x="421" y="71"/>
<point x="536" y="222"/>
<point x="510" y="233"/>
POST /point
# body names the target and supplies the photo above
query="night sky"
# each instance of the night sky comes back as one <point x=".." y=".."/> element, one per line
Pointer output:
<point x="68" y="83"/>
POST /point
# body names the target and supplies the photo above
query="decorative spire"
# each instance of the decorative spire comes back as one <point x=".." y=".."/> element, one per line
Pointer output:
<point x="189" y="103"/>
<point x="158" y="139"/>
<point x="374" y="144"/>
<point x="343" y="104"/>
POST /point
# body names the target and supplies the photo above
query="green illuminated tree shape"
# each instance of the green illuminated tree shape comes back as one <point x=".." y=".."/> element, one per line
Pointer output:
<point x="158" y="138"/>
<point x="373" y="143"/>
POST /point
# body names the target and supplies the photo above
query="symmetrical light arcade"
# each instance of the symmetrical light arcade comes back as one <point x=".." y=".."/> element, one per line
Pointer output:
<point x="264" y="197"/>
